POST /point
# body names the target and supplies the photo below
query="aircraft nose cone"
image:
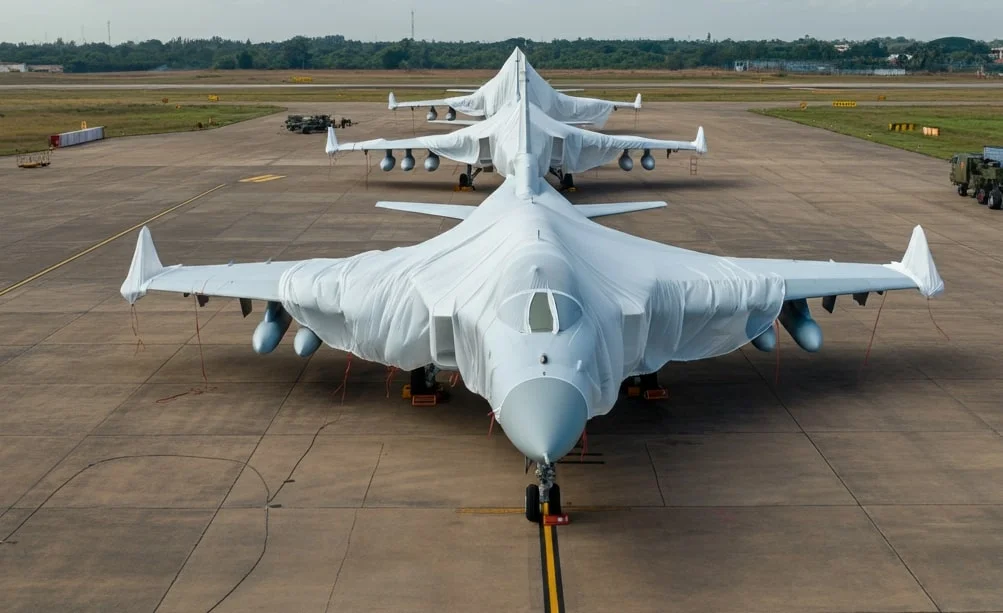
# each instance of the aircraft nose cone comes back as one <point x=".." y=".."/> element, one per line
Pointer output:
<point x="544" y="417"/>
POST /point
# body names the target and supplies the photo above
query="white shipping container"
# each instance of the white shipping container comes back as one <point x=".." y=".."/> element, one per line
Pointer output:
<point x="77" y="137"/>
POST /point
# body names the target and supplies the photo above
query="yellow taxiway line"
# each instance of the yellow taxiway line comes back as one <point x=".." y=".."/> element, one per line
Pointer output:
<point x="550" y="555"/>
<point x="261" y="178"/>
<point x="35" y="276"/>
<point x="553" y="599"/>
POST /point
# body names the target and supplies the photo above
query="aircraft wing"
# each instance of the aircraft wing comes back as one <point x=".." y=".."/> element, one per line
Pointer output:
<point x="361" y="304"/>
<point x="257" y="281"/>
<point x="472" y="122"/>
<point x="418" y="142"/>
<point x="461" y="145"/>
<point x="462" y="211"/>
<point x="457" y="122"/>
<point x="698" y="145"/>
<point x="812" y="279"/>
<point x="394" y="104"/>
<point x="636" y="105"/>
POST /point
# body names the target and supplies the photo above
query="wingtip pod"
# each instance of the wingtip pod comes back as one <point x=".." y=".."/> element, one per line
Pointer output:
<point x="392" y="103"/>
<point x="332" y="141"/>
<point x="145" y="265"/>
<point x="701" y="142"/>
<point x="918" y="265"/>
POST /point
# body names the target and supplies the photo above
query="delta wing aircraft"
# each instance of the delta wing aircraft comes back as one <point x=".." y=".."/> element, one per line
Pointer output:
<point x="542" y="312"/>
<point x="500" y="91"/>
<point x="562" y="149"/>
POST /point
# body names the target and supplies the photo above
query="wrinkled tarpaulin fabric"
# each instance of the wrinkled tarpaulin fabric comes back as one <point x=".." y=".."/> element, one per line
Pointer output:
<point x="580" y="150"/>
<point x="649" y="303"/>
<point x="502" y="89"/>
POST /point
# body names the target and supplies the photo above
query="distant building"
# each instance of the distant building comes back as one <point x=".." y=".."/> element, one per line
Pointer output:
<point x="895" y="58"/>
<point x="997" y="54"/>
<point x="13" y="67"/>
<point x="841" y="48"/>
<point x="45" y="68"/>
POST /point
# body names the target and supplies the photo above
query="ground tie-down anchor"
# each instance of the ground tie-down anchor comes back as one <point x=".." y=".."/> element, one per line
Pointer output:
<point x="646" y="387"/>
<point x="423" y="390"/>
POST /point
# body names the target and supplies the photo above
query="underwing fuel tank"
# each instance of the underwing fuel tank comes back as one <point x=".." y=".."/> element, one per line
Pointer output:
<point x="272" y="328"/>
<point x="407" y="164"/>
<point x="306" y="342"/>
<point x="767" y="341"/>
<point x="388" y="162"/>
<point x="796" y="319"/>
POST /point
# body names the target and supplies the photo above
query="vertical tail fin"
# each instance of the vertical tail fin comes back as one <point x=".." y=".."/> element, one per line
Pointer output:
<point x="637" y="102"/>
<point x="701" y="142"/>
<point x="332" y="141"/>
<point x="523" y="93"/>
<point x="145" y="265"/>
<point x="917" y="264"/>
<point x="392" y="104"/>
<point x="526" y="163"/>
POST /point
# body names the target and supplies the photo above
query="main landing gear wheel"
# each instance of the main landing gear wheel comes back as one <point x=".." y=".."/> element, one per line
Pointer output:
<point x="466" y="182"/>
<point x="963" y="189"/>
<point x="567" y="182"/>
<point x="533" y="511"/>
<point x="981" y="195"/>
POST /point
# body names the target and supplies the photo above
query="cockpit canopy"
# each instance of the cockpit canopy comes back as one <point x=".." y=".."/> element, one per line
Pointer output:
<point x="542" y="310"/>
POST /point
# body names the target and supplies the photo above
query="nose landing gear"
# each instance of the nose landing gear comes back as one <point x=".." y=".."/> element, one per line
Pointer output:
<point x="546" y="491"/>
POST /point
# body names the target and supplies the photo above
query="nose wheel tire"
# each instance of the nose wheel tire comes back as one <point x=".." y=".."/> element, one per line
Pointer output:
<point x="534" y="508"/>
<point x="533" y="511"/>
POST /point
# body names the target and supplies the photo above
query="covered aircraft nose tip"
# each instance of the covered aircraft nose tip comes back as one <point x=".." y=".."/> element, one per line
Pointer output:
<point x="544" y="417"/>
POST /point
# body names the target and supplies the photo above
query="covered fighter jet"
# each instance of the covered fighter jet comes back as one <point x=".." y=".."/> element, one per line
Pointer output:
<point x="561" y="149"/>
<point x="500" y="90"/>
<point x="543" y="312"/>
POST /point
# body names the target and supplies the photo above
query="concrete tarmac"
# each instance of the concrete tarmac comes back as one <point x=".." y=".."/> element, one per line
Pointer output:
<point x="149" y="467"/>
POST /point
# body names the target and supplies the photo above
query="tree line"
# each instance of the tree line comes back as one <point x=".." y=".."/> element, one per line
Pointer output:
<point x="337" y="52"/>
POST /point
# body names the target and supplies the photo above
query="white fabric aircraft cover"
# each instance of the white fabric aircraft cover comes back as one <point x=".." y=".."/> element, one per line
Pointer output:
<point x="463" y="299"/>
<point x="459" y="299"/>
<point x="676" y="304"/>
<point x="581" y="149"/>
<point x="502" y="88"/>
<point x="917" y="264"/>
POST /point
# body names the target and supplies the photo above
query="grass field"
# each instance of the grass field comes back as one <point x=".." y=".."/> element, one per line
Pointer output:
<point x="29" y="116"/>
<point x="27" y="127"/>
<point x="282" y="95"/>
<point x="962" y="128"/>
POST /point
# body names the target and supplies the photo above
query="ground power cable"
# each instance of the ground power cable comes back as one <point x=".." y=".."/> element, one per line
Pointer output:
<point x="242" y="463"/>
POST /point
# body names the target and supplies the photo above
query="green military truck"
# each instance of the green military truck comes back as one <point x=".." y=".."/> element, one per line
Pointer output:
<point x="306" y="124"/>
<point x="982" y="173"/>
